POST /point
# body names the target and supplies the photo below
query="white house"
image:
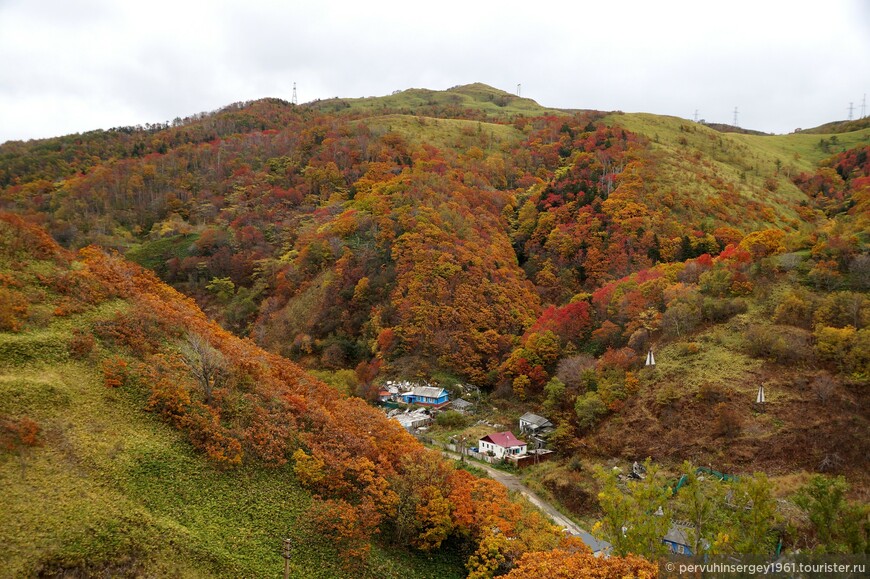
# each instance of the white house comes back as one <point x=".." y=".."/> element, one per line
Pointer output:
<point x="502" y="444"/>
<point x="534" y="424"/>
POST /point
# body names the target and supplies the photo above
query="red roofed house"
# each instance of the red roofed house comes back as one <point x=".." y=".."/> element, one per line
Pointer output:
<point x="502" y="444"/>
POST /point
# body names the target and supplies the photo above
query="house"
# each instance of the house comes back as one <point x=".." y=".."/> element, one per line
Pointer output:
<point x="425" y="395"/>
<point x="502" y="444"/>
<point x="534" y="424"/>
<point x="462" y="406"/>
<point x="678" y="540"/>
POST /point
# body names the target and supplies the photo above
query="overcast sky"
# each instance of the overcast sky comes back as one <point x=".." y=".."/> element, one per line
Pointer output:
<point x="73" y="65"/>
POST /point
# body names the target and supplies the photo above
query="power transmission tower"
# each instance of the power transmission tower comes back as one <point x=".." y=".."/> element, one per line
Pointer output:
<point x="735" y="118"/>
<point x="293" y="100"/>
<point x="519" y="89"/>
<point x="696" y="115"/>
<point x="851" y="107"/>
<point x="864" y="106"/>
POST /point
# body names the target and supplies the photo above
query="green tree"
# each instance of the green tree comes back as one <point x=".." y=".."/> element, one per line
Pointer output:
<point x="700" y="502"/>
<point x="222" y="287"/>
<point x="555" y="391"/>
<point x="754" y="516"/>
<point x="589" y="408"/>
<point x="635" y="519"/>
<point x="840" y="526"/>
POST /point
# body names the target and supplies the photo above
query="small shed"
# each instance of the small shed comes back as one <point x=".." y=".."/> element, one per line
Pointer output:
<point x="462" y="406"/>
<point x="411" y="421"/>
<point x="534" y="424"/>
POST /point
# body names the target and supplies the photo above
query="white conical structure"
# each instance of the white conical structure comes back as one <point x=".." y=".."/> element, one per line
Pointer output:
<point x="650" y="359"/>
<point x="760" y="398"/>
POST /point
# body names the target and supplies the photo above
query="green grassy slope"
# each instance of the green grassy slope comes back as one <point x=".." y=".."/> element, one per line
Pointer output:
<point x="803" y="150"/>
<point x="696" y="163"/>
<point x="478" y="97"/>
<point x="442" y="133"/>
<point x="113" y="490"/>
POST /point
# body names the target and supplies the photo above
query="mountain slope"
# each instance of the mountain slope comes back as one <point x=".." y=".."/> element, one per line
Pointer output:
<point x="139" y="438"/>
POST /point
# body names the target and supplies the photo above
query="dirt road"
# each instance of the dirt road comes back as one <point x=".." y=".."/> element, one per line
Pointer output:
<point x="512" y="482"/>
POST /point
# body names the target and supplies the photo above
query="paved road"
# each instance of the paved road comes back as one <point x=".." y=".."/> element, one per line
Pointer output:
<point x="512" y="482"/>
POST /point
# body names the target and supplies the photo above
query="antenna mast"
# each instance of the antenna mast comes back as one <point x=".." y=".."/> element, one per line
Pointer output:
<point x="293" y="100"/>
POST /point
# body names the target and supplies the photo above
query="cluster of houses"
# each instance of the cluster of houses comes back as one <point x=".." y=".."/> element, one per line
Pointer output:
<point x="414" y="405"/>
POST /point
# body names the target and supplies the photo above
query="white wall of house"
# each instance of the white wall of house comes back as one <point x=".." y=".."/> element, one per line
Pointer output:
<point x="500" y="451"/>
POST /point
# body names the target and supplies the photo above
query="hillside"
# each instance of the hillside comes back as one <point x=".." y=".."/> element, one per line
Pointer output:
<point x="477" y="101"/>
<point x="470" y="236"/>
<point x="138" y="438"/>
<point x="104" y="486"/>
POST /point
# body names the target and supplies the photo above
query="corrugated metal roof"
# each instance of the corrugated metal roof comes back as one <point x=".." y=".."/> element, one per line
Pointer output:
<point x="538" y="421"/>
<point x="428" y="391"/>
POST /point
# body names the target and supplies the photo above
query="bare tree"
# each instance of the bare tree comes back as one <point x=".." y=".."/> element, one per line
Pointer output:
<point x="823" y="387"/>
<point x="206" y="363"/>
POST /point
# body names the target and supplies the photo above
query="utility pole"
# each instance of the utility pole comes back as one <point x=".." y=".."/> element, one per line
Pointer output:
<point x="735" y="117"/>
<point x="294" y="101"/>
<point x="286" y="552"/>
<point x="851" y="107"/>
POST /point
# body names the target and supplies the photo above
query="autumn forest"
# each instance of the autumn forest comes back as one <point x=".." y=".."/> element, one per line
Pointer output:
<point x="218" y="302"/>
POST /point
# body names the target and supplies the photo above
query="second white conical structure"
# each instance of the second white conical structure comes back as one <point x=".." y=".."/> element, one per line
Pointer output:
<point x="650" y="359"/>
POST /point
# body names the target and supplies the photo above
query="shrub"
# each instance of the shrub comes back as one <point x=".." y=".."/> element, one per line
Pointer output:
<point x="721" y="309"/>
<point x="687" y="348"/>
<point x="784" y="344"/>
<point x="835" y="344"/>
<point x="795" y="309"/>
<point x="13" y="310"/>
<point x="15" y="434"/>
<point x="114" y="372"/>
<point x="711" y="393"/>
<point x="726" y="421"/>
<point x="451" y="419"/>
<point x="81" y="344"/>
